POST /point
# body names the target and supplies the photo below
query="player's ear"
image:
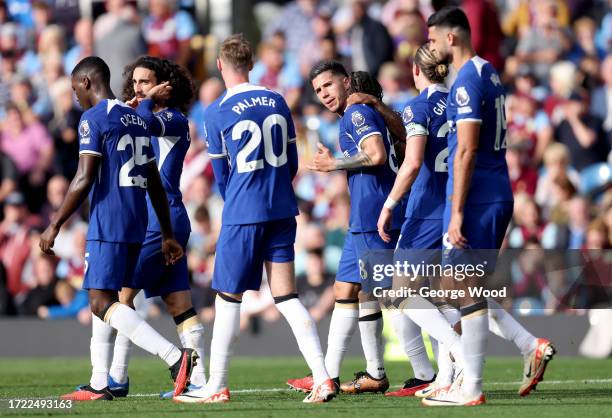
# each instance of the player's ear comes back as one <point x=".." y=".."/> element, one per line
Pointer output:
<point x="346" y="81"/>
<point x="219" y="65"/>
<point x="86" y="82"/>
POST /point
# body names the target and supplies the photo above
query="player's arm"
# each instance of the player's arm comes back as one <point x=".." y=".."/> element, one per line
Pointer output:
<point x="77" y="193"/>
<point x="406" y="175"/>
<point x="468" y="137"/>
<point x="367" y="134"/>
<point x="156" y="94"/>
<point x="393" y="120"/>
<point x="171" y="249"/>
<point x="371" y="153"/>
<point x="221" y="170"/>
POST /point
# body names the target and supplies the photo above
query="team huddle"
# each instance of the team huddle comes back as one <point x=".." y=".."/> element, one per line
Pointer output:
<point x="432" y="178"/>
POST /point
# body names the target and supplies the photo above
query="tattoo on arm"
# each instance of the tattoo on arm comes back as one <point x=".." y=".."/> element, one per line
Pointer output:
<point x="359" y="160"/>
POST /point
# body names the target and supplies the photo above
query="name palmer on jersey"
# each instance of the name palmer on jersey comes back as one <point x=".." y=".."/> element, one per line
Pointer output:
<point x="250" y="102"/>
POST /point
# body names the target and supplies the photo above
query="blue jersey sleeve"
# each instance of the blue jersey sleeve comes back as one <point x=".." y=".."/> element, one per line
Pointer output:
<point x="214" y="138"/>
<point x="217" y="152"/>
<point x="468" y="97"/>
<point x="363" y="124"/>
<point x="154" y="124"/>
<point x="292" y="154"/>
<point x="416" y="119"/>
<point x="90" y="136"/>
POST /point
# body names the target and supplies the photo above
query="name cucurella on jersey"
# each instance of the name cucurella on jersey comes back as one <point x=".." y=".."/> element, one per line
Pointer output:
<point x="252" y="102"/>
<point x="128" y="119"/>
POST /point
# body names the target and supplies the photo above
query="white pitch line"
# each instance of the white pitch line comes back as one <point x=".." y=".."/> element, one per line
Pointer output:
<point x="544" y="382"/>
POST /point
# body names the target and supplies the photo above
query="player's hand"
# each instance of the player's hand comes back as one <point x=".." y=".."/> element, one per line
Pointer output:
<point x="361" y="98"/>
<point x="323" y="161"/>
<point x="160" y="92"/>
<point x="455" y="237"/>
<point x="172" y="250"/>
<point x="47" y="239"/>
<point x="133" y="102"/>
<point x="384" y="221"/>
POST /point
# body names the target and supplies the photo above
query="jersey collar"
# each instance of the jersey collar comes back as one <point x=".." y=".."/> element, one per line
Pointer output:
<point x="434" y="88"/>
<point x="240" y="88"/>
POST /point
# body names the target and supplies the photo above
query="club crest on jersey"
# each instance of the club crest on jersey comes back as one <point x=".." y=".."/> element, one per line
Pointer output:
<point x="407" y="115"/>
<point x="462" y="97"/>
<point x="84" y="128"/>
<point x="167" y="115"/>
<point x="357" y="119"/>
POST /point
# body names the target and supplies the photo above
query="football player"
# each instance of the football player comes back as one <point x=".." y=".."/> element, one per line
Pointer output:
<point x="117" y="168"/>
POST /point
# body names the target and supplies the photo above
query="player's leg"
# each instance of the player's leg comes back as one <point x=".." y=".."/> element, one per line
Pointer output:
<point x="279" y="254"/>
<point x="118" y="264"/>
<point x="230" y="279"/>
<point x="118" y="378"/>
<point x="484" y="227"/>
<point x="537" y="352"/>
<point x="344" y="317"/>
<point x="282" y="285"/>
<point x="189" y="329"/>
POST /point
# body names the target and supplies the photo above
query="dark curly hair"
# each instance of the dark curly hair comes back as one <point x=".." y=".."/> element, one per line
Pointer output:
<point x="183" y="90"/>
<point x="364" y="82"/>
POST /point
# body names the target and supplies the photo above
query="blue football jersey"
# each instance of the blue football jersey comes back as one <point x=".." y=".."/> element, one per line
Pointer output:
<point x="426" y="115"/>
<point x="251" y="127"/>
<point x="368" y="187"/>
<point x="114" y="132"/>
<point x="169" y="130"/>
<point x="478" y="95"/>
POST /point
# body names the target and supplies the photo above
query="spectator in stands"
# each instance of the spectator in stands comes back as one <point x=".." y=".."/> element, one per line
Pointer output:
<point x="42" y="16"/>
<point x="570" y="234"/>
<point x="601" y="99"/>
<point x="529" y="225"/>
<point x="168" y="31"/>
<point x="395" y="92"/>
<point x="273" y="72"/>
<point x="8" y="177"/>
<point x="545" y="42"/>
<point x="582" y="133"/>
<point x="520" y="19"/>
<point x="12" y="38"/>
<point x="83" y="36"/>
<point x="14" y="242"/>
<point x="315" y="283"/>
<point x="311" y="52"/>
<point x="295" y="21"/>
<point x="28" y="144"/>
<point x="7" y="307"/>
<point x="43" y="293"/>
<point x="117" y="38"/>
<point x="70" y="303"/>
<point x="63" y="128"/>
<point x="523" y="176"/>
<point x="208" y="93"/>
<point x="370" y="44"/>
<point x="486" y="30"/>
<point x="562" y="81"/>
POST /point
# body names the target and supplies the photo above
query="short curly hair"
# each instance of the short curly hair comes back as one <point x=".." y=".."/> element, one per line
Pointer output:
<point x="183" y="90"/>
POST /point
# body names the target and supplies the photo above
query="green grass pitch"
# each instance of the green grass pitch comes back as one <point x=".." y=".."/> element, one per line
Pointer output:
<point x="573" y="387"/>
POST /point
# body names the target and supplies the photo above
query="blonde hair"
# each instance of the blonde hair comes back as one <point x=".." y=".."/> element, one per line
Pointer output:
<point x="237" y="52"/>
<point x="435" y="70"/>
<point x="563" y="78"/>
<point x="556" y="152"/>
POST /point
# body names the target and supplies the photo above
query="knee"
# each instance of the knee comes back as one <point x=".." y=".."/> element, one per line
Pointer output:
<point x="343" y="290"/>
<point x="100" y="304"/>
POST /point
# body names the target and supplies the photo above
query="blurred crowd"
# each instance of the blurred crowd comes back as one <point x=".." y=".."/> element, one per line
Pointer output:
<point x="554" y="56"/>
